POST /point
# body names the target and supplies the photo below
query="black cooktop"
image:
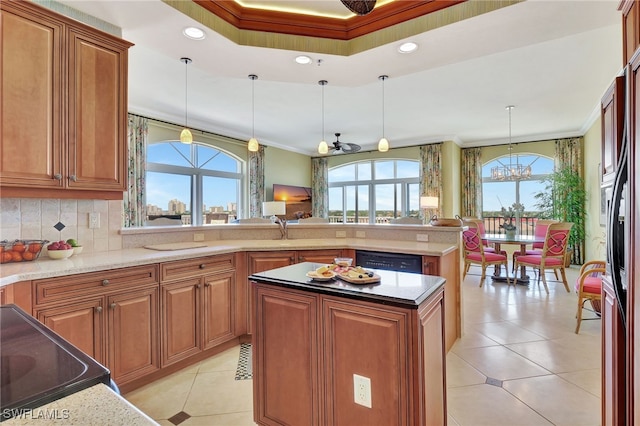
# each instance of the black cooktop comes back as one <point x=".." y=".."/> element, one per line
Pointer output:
<point x="37" y="366"/>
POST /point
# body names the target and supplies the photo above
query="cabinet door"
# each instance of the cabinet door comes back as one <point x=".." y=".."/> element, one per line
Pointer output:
<point x="133" y="334"/>
<point x="82" y="324"/>
<point x="97" y="112"/>
<point x="181" y="330"/>
<point x="448" y="267"/>
<point x="286" y="364"/>
<point x="612" y="127"/>
<point x="218" y="313"/>
<point x="264" y="260"/>
<point x="318" y="256"/>
<point x="613" y="358"/>
<point x="31" y="128"/>
<point x="371" y="342"/>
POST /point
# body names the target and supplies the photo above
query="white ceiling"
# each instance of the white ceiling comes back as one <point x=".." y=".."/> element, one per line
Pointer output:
<point x="552" y="59"/>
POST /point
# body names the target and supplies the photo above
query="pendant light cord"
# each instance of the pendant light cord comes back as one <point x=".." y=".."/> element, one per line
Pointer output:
<point x="186" y="61"/>
<point x="253" y="78"/>
<point x="383" y="78"/>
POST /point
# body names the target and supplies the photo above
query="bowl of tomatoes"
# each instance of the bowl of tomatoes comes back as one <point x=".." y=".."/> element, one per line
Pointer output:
<point x="20" y="250"/>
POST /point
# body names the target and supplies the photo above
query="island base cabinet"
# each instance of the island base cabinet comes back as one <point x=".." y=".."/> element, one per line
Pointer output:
<point x="308" y="346"/>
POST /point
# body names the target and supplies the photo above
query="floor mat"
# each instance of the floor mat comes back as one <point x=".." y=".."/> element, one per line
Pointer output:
<point x="243" y="372"/>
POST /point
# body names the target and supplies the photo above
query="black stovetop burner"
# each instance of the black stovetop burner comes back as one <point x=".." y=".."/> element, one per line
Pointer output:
<point x="37" y="366"/>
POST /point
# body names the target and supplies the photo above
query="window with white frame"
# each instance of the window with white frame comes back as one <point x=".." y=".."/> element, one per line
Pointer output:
<point x="197" y="183"/>
<point x="374" y="191"/>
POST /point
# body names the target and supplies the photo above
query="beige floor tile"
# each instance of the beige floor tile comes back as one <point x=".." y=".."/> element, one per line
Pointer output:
<point x="224" y="361"/>
<point x="559" y="401"/>
<point x="473" y="339"/>
<point x="501" y="363"/>
<point x="505" y="332"/>
<point x="562" y="355"/>
<point x="589" y="380"/>
<point x="244" y="418"/>
<point x="486" y="405"/>
<point x="163" y="398"/>
<point x="461" y="373"/>
<point x="218" y="393"/>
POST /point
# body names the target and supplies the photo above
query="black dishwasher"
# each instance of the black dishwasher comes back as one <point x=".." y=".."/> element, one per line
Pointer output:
<point x="389" y="261"/>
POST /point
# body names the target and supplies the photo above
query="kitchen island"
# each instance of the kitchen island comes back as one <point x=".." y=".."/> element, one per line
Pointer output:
<point x="321" y="346"/>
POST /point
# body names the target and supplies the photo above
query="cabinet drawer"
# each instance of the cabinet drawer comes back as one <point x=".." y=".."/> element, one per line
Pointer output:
<point x="81" y="285"/>
<point x="193" y="267"/>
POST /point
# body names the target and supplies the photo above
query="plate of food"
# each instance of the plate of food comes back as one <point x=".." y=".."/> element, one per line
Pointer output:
<point x="359" y="275"/>
<point x="323" y="273"/>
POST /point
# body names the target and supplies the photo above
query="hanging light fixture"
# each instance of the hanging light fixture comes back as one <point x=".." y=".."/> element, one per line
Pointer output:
<point x="323" y="148"/>
<point x="383" y="144"/>
<point x="253" y="145"/>
<point x="514" y="171"/>
<point x="185" y="135"/>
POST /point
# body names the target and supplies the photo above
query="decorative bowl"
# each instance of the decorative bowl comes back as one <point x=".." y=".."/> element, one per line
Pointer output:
<point x="60" y="254"/>
<point x="20" y="250"/>
<point x="343" y="261"/>
<point x="77" y="250"/>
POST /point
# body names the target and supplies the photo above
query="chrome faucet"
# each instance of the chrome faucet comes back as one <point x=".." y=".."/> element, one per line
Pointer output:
<point x="284" y="231"/>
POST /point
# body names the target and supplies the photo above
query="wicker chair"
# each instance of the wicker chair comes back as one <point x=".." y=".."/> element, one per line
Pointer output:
<point x="589" y="287"/>
<point x="475" y="254"/>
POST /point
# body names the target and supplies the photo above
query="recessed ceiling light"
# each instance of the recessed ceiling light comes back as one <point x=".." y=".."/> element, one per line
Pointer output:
<point x="303" y="60"/>
<point x="408" y="47"/>
<point x="193" y="33"/>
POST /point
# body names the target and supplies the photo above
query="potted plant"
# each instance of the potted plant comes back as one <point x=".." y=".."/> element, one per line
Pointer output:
<point x="564" y="199"/>
<point x="508" y="216"/>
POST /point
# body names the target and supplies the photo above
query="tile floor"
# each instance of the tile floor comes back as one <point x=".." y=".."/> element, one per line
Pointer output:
<point x="518" y="363"/>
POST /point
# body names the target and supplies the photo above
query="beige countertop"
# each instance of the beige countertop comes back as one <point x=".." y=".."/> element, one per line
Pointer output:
<point x="97" y="405"/>
<point x="91" y="262"/>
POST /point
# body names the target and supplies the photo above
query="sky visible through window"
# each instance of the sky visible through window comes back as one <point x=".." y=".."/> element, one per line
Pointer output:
<point x="163" y="187"/>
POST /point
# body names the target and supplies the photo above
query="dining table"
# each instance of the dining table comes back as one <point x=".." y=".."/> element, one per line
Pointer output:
<point x="518" y="239"/>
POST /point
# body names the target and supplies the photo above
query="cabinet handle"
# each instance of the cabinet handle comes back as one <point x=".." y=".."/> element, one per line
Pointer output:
<point x="207" y="284"/>
<point x="73" y="178"/>
<point x="105" y="282"/>
<point x="202" y="266"/>
<point x="198" y="286"/>
<point x="98" y="309"/>
<point x="292" y="259"/>
<point x="301" y="258"/>
<point x="112" y="305"/>
<point x="57" y="176"/>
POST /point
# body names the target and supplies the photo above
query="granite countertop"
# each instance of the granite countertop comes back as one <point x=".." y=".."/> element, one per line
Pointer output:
<point x="394" y="288"/>
<point x="97" y="405"/>
<point x="91" y="262"/>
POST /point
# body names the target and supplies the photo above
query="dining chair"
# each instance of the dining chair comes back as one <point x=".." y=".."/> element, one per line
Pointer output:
<point x="552" y="256"/>
<point x="589" y="287"/>
<point x="474" y="252"/>
<point x="539" y="232"/>
<point x="481" y="229"/>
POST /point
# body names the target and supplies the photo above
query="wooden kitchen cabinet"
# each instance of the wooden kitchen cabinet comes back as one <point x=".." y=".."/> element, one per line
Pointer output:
<point x="614" y="377"/>
<point x="64" y="106"/>
<point x="198" y="305"/>
<point x="112" y="316"/>
<point x="448" y="267"/>
<point x="612" y="116"/>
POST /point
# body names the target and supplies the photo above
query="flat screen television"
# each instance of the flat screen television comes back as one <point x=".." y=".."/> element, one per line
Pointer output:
<point x="297" y="199"/>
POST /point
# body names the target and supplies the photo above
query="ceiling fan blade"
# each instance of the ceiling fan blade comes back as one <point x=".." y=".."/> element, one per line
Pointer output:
<point x="350" y="147"/>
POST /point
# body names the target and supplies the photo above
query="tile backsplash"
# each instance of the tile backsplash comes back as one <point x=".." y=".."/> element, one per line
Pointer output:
<point x="30" y="218"/>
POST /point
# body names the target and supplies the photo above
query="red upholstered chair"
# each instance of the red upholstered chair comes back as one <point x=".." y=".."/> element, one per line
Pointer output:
<point x="589" y="287"/>
<point x="481" y="230"/>
<point x="553" y="253"/>
<point x="475" y="253"/>
<point x="539" y="232"/>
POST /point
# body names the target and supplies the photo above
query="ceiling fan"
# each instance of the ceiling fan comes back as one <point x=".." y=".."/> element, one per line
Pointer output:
<point x="347" y="148"/>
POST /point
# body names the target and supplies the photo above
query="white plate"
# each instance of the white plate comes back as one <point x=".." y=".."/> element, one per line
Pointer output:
<point x="316" y="277"/>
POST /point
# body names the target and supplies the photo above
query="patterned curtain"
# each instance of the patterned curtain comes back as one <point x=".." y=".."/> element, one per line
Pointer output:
<point x="320" y="187"/>
<point x="135" y="210"/>
<point x="256" y="182"/>
<point x="431" y="175"/>
<point x="569" y="154"/>
<point x="471" y="170"/>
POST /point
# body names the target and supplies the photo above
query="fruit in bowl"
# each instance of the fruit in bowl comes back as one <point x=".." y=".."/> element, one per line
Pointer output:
<point x="77" y="248"/>
<point x="59" y="250"/>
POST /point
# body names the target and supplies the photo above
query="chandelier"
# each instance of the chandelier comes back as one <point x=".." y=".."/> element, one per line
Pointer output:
<point x="512" y="171"/>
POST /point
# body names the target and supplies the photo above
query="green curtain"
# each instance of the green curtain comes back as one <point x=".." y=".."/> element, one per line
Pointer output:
<point x="471" y="171"/>
<point x="320" y="187"/>
<point x="135" y="209"/>
<point x="431" y="175"/>
<point x="256" y="182"/>
<point x="569" y="154"/>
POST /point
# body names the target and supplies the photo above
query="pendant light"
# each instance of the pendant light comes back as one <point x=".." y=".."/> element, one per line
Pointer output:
<point x="323" y="148"/>
<point x="253" y="142"/>
<point x="185" y="135"/>
<point x="383" y="144"/>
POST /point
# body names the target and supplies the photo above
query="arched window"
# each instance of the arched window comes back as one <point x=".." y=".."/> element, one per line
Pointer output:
<point x="374" y="191"/>
<point x="198" y="183"/>
<point x="500" y="192"/>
